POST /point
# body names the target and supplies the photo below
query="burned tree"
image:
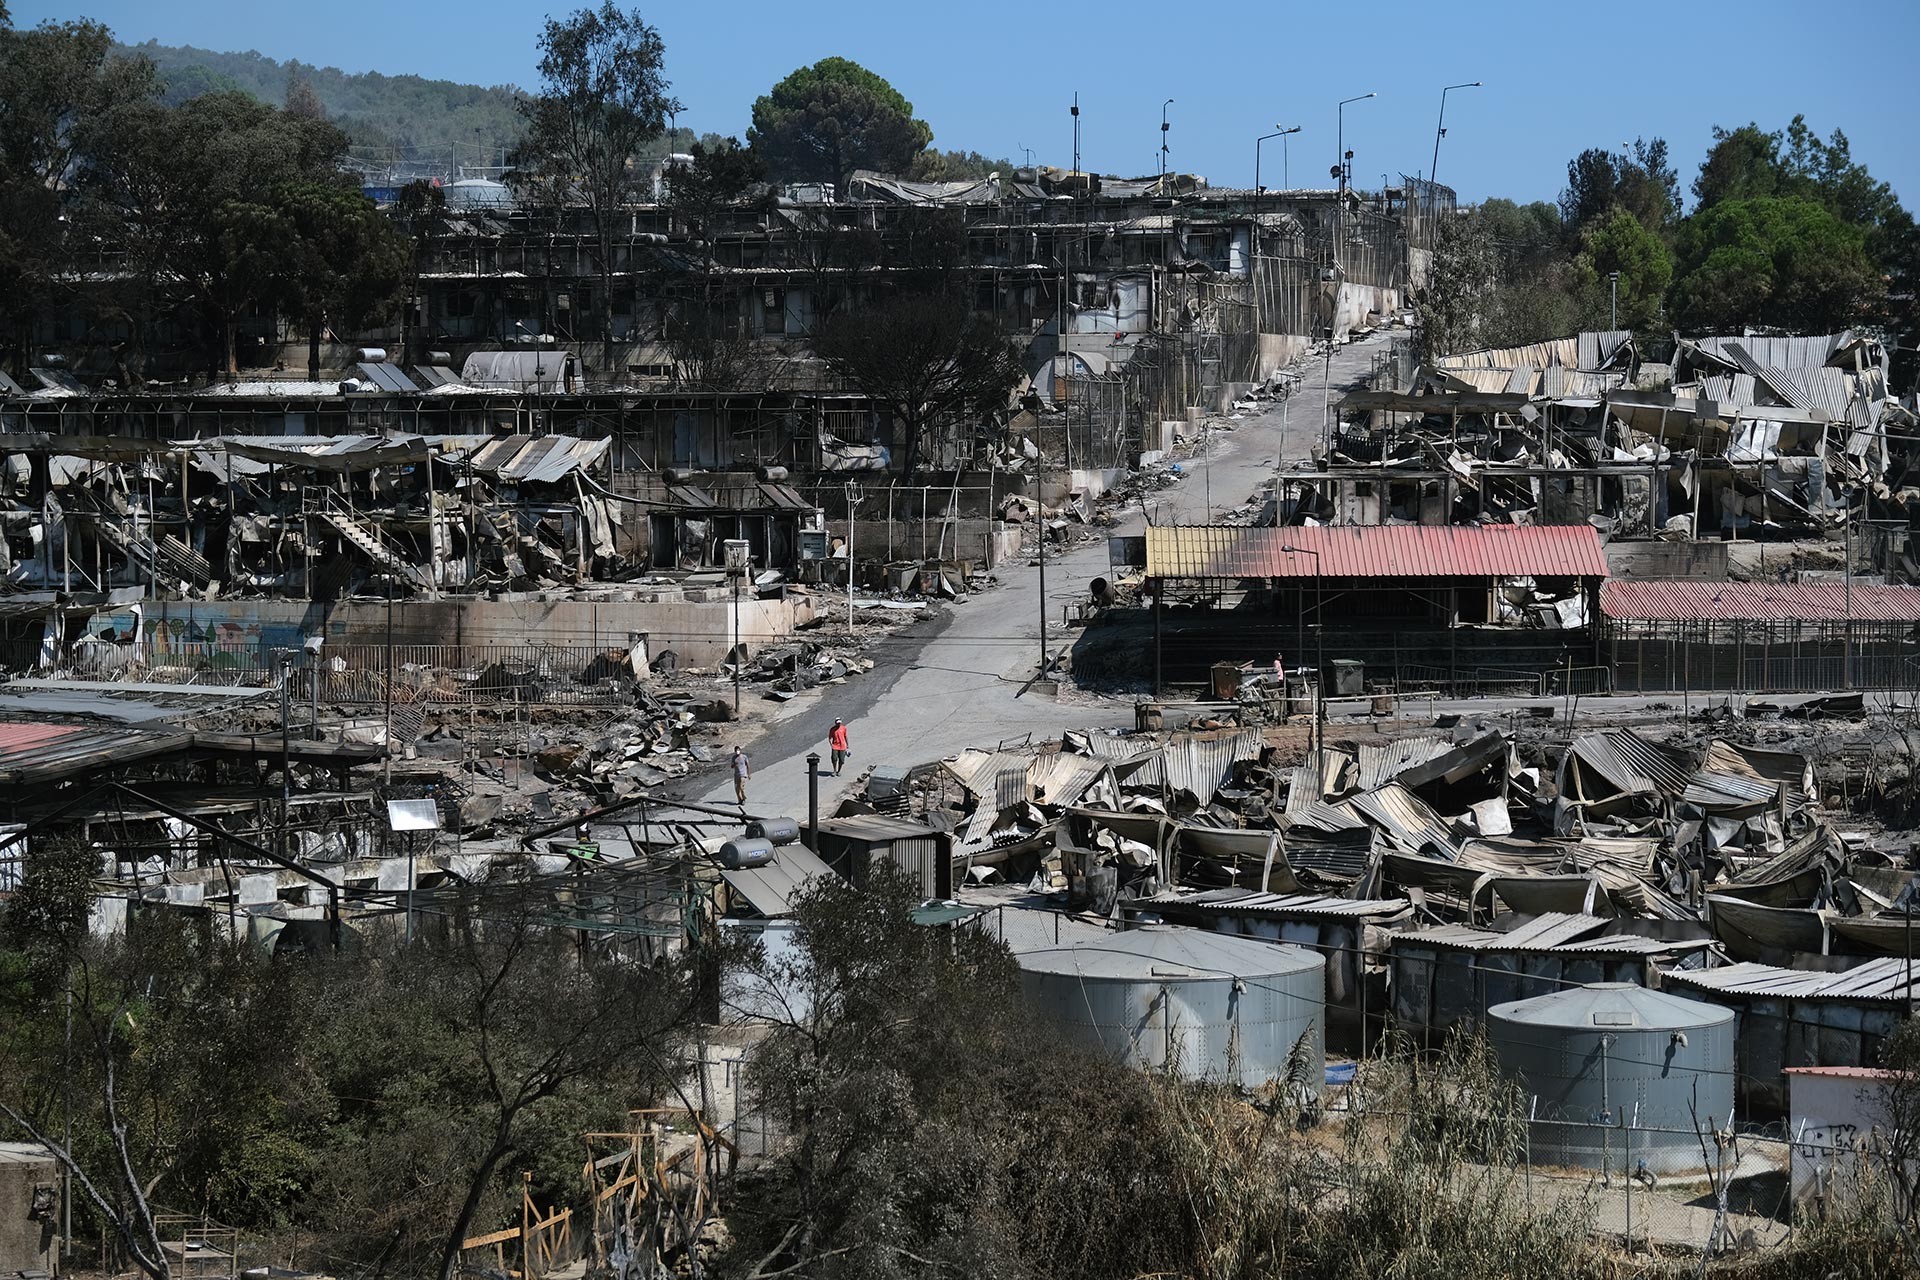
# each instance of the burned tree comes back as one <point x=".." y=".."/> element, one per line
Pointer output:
<point x="924" y="357"/>
<point x="603" y="98"/>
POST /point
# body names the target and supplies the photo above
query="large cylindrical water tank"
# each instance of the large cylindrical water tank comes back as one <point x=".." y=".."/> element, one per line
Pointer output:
<point x="1207" y="1005"/>
<point x="1598" y="1061"/>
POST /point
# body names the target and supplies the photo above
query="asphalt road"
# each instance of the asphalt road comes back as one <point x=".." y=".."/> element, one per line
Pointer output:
<point x="954" y="682"/>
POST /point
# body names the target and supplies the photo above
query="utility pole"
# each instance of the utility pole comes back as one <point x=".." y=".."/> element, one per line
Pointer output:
<point x="1439" y="132"/>
<point x="1164" y="126"/>
<point x="286" y="745"/>
<point x="850" y="501"/>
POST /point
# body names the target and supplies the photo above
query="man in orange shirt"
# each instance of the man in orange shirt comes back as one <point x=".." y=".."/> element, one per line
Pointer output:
<point x="837" y="741"/>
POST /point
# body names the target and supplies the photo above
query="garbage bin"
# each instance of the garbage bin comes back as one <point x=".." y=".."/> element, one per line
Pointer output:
<point x="1349" y="677"/>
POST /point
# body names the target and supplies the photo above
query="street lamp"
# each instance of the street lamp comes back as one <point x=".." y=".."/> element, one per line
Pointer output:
<point x="1283" y="131"/>
<point x="1340" y="135"/>
<point x="1319" y="640"/>
<point x="1439" y="132"/>
<point x="1341" y="164"/>
<point x="1613" y="301"/>
<point x="1163" y="136"/>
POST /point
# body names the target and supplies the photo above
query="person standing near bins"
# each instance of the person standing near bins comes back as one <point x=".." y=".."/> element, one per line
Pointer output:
<point x="837" y="741"/>
<point x="741" y="772"/>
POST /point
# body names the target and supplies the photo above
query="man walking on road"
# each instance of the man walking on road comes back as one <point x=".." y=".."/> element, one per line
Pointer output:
<point x="837" y="740"/>
<point x="741" y="772"/>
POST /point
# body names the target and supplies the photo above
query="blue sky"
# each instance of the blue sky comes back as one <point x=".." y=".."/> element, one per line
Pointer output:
<point x="994" y="76"/>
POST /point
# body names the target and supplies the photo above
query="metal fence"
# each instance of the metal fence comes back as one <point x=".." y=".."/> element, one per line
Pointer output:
<point x="1745" y="1190"/>
<point x="360" y="674"/>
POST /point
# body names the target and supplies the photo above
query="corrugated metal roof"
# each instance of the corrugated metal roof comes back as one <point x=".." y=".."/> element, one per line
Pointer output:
<point x="1881" y="980"/>
<point x="1375" y="551"/>
<point x="1156" y="953"/>
<point x="1254" y="902"/>
<point x="1198" y="767"/>
<point x="1781" y="352"/>
<point x="875" y="828"/>
<point x="1675" y="600"/>
<point x="1407" y="819"/>
<point x="34" y="751"/>
<point x="1057" y="778"/>
<point x="1381" y="763"/>
<point x="1709" y="789"/>
<point x="1612" y="1004"/>
<point x="538" y="459"/>
<point x="1768" y="764"/>
<point x="1630" y="762"/>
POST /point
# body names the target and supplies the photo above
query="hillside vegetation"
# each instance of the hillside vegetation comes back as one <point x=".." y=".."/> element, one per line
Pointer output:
<point x="411" y="113"/>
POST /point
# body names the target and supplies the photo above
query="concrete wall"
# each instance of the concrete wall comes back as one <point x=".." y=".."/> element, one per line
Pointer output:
<point x="27" y="1243"/>
<point x="697" y="624"/>
<point x="1707" y="560"/>
<point x="1357" y="300"/>
<point x="1278" y="350"/>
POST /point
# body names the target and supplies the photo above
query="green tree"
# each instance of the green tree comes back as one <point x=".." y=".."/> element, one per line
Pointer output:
<point x="1742" y="163"/>
<point x="824" y="121"/>
<point x="301" y="100"/>
<point x="603" y="98"/>
<point x="1639" y="177"/>
<point x="1620" y="243"/>
<point x="923" y="356"/>
<point x="57" y="82"/>
<point x="1783" y="262"/>
<point x="1451" y="307"/>
<point x="896" y="1168"/>
<point x="715" y="178"/>
<point x="347" y="261"/>
<point x="480" y="1049"/>
<point x="956" y="166"/>
<point x="421" y="209"/>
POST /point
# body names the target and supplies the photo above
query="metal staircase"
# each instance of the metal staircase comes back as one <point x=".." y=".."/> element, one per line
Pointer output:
<point x="353" y="529"/>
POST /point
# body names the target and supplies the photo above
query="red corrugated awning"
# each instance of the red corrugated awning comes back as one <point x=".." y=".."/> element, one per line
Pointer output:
<point x="1688" y="600"/>
<point x="1375" y="551"/>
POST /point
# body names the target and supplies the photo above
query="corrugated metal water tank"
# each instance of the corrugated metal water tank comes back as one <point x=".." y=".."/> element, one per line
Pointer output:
<point x="1210" y="1006"/>
<point x="1610" y="1055"/>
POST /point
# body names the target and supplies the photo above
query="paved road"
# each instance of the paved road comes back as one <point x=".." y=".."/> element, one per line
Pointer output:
<point x="949" y="684"/>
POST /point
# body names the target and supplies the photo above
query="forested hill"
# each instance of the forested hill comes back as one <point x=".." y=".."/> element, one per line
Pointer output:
<point x="408" y="112"/>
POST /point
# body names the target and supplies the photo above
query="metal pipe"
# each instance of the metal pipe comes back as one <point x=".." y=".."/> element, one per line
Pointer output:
<point x="813" y="801"/>
<point x="286" y="746"/>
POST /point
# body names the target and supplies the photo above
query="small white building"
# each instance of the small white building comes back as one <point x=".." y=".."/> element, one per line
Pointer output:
<point x="1832" y="1113"/>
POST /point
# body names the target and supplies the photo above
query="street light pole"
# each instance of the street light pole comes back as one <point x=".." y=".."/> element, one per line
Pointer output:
<point x="1339" y="268"/>
<point x="1266" y="137"/>
<point x="1320" y="643"/>
<point x="1163" y="136"/>
<point x="1613" y="300"/>
<point x="1439" y="132"/>
<point x="286" y="746"/>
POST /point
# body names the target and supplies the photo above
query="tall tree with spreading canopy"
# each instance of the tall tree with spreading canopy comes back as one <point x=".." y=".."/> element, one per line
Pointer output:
<point x="1777" y="261"/>
<point x="1451" y="306"/>
<point x="348" y="264"/>
<point x="603" y="98"/>
<point x="825" y="121"/>
<point x="1639" y="177"/>
<point x="57" y="83"/>
<point x="199" y="184"/>
<point x="1620" y="243"/>
<point x="924" y="357"/>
